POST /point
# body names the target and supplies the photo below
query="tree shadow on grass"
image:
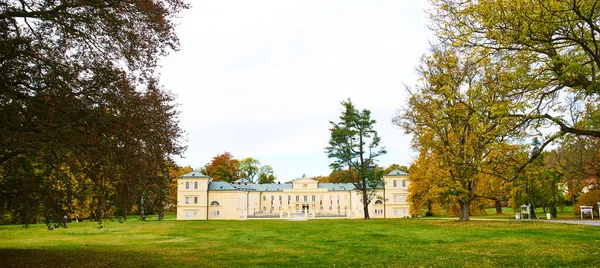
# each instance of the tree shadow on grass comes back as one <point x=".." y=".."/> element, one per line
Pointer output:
<point x="76" y="258"/>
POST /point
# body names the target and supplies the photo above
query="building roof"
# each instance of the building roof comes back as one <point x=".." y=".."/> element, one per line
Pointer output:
<point x="194" y="174"/>
<point x="220" y="186"/>
<point x="397" y="172"/>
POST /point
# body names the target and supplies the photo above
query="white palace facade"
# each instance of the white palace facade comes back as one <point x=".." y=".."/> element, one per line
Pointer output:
<point x="199" y="198"/>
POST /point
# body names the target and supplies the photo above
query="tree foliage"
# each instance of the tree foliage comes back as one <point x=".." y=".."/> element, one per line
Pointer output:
<point x="452" y="118"/>
<point x="548" y="49"/>
<point x="223" y="167"/>
<point x="83" y="120"/>
<point x="354" y="144"/>
<point x="249" y="168"/>
<point x="266" y="175"/>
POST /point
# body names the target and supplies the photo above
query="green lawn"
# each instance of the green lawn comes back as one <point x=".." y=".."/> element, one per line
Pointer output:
<point x="322" y="243"/>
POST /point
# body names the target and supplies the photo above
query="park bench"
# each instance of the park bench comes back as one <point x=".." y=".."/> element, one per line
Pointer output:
<point x="587" y="210"/>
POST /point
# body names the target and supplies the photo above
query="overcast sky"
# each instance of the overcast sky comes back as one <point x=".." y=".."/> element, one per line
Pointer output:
<point x="263" y="79"/>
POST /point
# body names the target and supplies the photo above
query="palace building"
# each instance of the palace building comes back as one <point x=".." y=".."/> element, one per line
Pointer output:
<point x="199" y="198"/>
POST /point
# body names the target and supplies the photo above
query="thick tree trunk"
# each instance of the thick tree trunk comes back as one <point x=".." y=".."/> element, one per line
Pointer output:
<point x="553" y="212"/>
<point x="464" y="211"/>
<point x="498" y="205"/>
<point x="532" y="212"/>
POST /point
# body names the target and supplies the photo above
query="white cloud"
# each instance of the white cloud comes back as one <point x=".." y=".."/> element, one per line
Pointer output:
<point x="264" y="78"/>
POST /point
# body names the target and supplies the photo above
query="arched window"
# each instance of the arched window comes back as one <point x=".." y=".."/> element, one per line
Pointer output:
<point x="395" y="183"/>
<point x="378" y="202"/>
<point x="214" y="203"/>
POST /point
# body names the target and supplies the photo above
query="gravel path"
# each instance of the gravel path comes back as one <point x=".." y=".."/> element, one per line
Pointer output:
<point x="582" y="222"/>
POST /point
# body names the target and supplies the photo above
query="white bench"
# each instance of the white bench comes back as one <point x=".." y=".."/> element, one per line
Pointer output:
<point x="587" y="210"/>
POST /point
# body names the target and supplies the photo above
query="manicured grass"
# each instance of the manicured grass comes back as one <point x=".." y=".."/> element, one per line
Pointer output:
<point x="321" y="243"/>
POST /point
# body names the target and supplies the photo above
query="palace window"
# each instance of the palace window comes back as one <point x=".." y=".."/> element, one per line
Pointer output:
<point x="214" y="203"/>
<point x="187" y="185"/>
<point x="214" y="213"/>
<point x="191" y="200"/>
<point x="191" y="214"/>
<point x="400" y="198"/>
<point x="378" y="212"/>
<point x="297" y="198"/>
<point x="403" y="183"/>
<point x="305" y="198"/>
<point x="378" y="202"/>
<point x="195" y="185"/>
<point x="395" y="183"/>
<point x="314" y="198"/>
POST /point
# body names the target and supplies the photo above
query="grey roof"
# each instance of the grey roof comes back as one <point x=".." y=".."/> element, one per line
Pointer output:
<point x="194" y="174"/>
<point x="397" y="172"/>
<point x="220" y="186"/>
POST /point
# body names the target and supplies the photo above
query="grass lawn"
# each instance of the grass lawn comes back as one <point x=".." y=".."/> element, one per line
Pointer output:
<point x="322" y="243"/>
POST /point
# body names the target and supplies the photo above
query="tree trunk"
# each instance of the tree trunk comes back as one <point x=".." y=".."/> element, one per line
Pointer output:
<point x="464" y="210"/>
<point x="365" y="200"/>
<point x="98" y="212"/>
<point x="498" y="205"/>
<point x="553" y="211"/>
<point x="142" y="211"/>
<point x="532" y="212"/>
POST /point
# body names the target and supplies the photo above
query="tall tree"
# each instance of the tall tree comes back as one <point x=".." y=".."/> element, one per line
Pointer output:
<point x="354" y="144"/>
<point x="452" y="119"/>
<point x="80" y="103"/>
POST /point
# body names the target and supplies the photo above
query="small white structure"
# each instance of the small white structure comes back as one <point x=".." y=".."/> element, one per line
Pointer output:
<point x="587" y="210"/>
<point x="525" y="210"/>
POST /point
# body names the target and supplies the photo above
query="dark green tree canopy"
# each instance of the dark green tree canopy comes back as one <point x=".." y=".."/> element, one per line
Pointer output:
<point x="355" y="145"/>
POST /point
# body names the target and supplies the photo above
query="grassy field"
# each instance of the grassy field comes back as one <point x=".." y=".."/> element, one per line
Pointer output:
<point x="321" y="243"/>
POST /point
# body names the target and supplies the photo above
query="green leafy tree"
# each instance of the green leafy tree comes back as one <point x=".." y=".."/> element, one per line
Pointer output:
<point x="250" y="167"/>
<point x="354" y="144"/>
<point x="547" y="49"/>
<point x="266" y="175"/>
<point x="452" y="119"/>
